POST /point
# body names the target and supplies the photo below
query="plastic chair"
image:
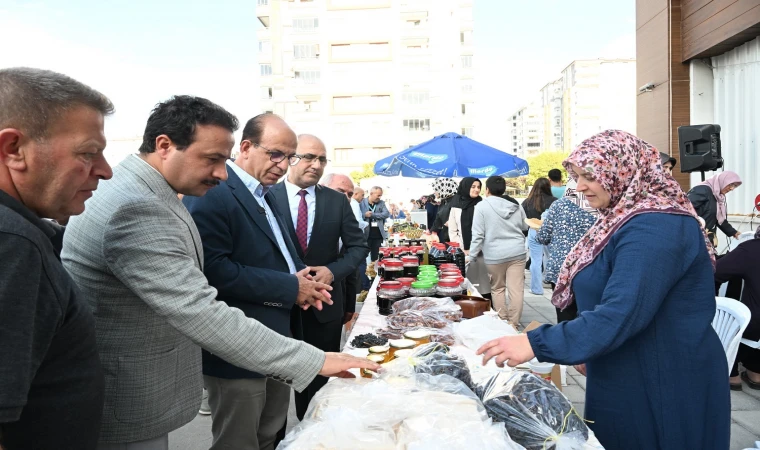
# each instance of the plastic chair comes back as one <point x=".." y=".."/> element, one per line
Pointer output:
<point x="730" y="321"/>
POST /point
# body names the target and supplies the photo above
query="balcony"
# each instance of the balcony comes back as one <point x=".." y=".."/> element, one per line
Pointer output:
<point x="263" y="11"/>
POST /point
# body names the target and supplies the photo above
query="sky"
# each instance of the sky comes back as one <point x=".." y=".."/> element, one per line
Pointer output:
<point x="139" y="52"/>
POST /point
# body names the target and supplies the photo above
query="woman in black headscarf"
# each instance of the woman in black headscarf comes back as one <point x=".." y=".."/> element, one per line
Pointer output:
<point x="460" y="230"/>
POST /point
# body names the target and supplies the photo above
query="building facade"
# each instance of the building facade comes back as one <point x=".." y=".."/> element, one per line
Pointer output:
<point x="527" y="130"/>
<point x="369" y="77"/>
<point x="551" y="102"/>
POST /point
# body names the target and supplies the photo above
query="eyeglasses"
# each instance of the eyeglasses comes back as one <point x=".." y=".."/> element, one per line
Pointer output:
<point x="308" y="157"/>
<point x="277" y="156"/>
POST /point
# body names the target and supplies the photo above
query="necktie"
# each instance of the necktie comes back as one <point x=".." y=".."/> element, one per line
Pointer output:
<point x="302" y="224"/>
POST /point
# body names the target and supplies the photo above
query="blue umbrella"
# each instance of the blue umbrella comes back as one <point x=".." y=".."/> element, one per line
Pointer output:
<point x="451" y="155"/>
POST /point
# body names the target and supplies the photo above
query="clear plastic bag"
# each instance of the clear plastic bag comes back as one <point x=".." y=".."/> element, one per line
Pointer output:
<point x="425" y="303"/>
<point x="535" y="414"/>
<point x="417" y="412"/>
<point x="473" y="333"/>
<point x="436" y="359"/>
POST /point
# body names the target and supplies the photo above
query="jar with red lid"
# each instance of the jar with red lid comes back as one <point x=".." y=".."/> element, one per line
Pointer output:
<point x="406" y="282"/>
<point x="411" y="266"/>
<point x="419" y="252"/>
<point x="393" y="269"/>
<point x="448" y="287"/>
<point x="450" y="273"/>
<point x="380" y="268"/>
<point x="383" y="252"/>
<point x="388" y="293"/>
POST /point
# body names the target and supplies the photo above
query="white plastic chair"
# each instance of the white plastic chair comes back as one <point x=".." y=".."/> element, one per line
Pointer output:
<point x="730" y="321"/>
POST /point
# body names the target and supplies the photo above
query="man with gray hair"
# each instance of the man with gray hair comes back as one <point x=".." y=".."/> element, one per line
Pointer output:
<point x="51" y="160"/>
<point x="374" y="212"/>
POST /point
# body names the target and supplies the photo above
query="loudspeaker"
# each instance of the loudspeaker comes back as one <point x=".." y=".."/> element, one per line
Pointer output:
<point x="699" y="147"/>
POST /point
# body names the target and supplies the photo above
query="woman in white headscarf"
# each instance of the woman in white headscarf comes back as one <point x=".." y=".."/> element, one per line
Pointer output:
<point x="564" y="224"/>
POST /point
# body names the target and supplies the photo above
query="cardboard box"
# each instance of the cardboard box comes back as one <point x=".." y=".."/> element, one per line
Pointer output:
<point x="556" y="375"/>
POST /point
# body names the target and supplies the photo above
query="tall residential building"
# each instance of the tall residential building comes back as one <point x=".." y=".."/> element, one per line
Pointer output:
<point x="551" y="102"/>
<point x="527" y="130"/>
<point x="598" y="94"/>
<point x="369" y="77"/>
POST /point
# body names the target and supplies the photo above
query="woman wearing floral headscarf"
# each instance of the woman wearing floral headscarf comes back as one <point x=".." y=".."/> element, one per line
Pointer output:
<point x="656" y="369"/>
<point x="709" y="200"/>
<point x="445" y="189"/>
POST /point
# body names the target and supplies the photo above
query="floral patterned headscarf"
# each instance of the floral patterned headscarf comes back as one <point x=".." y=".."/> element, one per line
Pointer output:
<point x="630" y="170"/>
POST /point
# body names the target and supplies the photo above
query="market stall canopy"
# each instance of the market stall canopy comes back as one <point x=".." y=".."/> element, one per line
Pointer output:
<point x="451" y="155"/>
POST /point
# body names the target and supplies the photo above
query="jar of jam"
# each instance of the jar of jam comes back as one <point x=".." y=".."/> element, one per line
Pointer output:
<point x="448" y="287"/>
<point x="420" y="336"/>
<point x="383" y="253"/>
<point x="380" y="269"/>
<point x="379" y="359"/>
<point x="418" y="252"/>
<point x="411" y="266"/>
<point x="400" y="344"/>
<point x="406" y="282"/>
<point x="388" y="293"/>
<point x="393" y="269"/>
<point x="422" y="288"/>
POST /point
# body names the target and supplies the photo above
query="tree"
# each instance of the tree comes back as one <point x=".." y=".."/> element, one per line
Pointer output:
<point x="541" y="164"/>
<point x="367" y="171"/>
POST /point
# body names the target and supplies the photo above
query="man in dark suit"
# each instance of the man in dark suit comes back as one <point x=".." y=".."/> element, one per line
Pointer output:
<point x="252" y="262"/>
<point x="318" y="220"/>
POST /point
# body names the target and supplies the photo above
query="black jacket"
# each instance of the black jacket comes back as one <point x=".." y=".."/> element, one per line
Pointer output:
<point x="334" y="222"/>
<point x="533" y="213"/>
<point x="243" y="262"/>
<point x="441" y="218"/>
<point x="707" y="208"/>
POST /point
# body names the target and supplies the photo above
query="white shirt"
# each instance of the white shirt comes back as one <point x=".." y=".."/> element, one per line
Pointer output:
<point x="259" y="191"/>
<point x="358" y="214"/>
<point x="294" y="200"/>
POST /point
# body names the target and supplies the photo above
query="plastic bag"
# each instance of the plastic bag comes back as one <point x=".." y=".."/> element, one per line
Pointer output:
<point x="417" y="412"/>
<point x="425" y="303"/>
<point x="473" y="333"/>
<point x="443" y="335"/>
<point x="436" y="359"/>
<point x="535" y="414"/>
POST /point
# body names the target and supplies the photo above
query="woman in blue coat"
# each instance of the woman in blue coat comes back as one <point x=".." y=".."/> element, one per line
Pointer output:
<point x="656" y="369"/>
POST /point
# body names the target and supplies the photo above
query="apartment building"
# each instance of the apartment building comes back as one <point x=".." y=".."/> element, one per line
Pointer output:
<point x="370" y="77"/>
<point x="597" y="94"/>
<point x="551" y="103"/>
<point x="527" y="130"/>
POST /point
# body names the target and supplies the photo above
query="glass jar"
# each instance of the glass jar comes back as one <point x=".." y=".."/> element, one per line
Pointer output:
<point x="388" y="293"/>
<point x="457" y="255"/>
<point x="420" y="336"/>
<point x="422" y="289"/>
<point x="406" y="282"/>
<point x="418" y="252"/>
<point x="399" y="344"/>
<point x="448" y="287"/>
<point x="379" y="359"/>
<point x="411" y="266"/>
<point x="380" y="268"/>
<point x="393" y="269"/>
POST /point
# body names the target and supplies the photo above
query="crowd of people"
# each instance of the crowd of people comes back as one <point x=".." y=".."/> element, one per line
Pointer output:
<point x="188" y="270"/>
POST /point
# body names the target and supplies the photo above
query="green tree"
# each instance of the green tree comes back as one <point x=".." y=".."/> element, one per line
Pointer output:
<point x="366" y="172"/>
<point x="541" y="164"/>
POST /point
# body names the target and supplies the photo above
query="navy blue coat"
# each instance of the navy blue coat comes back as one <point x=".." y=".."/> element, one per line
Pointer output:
<point x="657" y="372"/>
<point x="243" y="262"/>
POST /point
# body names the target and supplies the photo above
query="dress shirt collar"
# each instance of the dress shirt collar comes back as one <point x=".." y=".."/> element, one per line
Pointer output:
<point x="251" y="183"/>
<point x="293" y="190"/>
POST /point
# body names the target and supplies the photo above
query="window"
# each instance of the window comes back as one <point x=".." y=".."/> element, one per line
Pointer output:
<point x="263" y="2"/>
<point x="265" y="47"/>
<point x="411" y="24"/>
<point x="467" y="131"/>
<point x="266" y="92"/>
<point x="361" y="104"/>
<point x="534" y="144"/>
<point x="305" y="24"/>
<point x="417" y="124"/>
<point x="306" y="51"/>
<point x="361" y="51"/>
<point x="266" y="69"/>
<point x="465" y="37"/>
<point x="467" y="87"/>
<point x="415" y="98"/>
<point x="467" y="61"/>
<point x="307" y="76"/>
<point x="311" y="106"/>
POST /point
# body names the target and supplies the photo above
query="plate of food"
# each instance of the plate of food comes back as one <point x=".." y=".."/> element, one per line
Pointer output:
<point x="534" y="223"/>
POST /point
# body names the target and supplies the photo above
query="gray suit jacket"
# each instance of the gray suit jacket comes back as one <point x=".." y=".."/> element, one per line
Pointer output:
<point x="379" y="215"/>
<point x="138" y="259"/>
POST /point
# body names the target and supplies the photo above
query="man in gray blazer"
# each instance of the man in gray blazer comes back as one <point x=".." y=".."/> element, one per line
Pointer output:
<point x="138" y="259"/>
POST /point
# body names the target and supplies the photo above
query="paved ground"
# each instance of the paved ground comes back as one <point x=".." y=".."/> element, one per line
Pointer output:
<point x="745" y="405"/>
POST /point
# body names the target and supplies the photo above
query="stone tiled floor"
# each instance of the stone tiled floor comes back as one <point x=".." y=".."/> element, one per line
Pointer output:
<point x="745" y="405"/>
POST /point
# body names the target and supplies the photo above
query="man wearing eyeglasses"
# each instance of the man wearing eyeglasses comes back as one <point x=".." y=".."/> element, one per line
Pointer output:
<point x="318" y="220"/>
<point x="252" y="262"/>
